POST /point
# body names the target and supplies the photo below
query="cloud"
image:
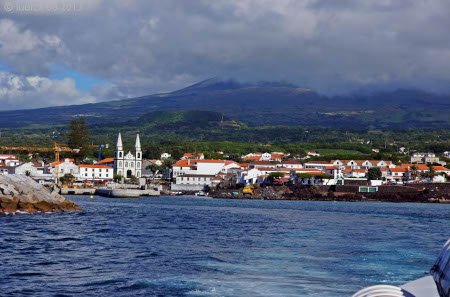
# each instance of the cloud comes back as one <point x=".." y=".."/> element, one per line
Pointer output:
<point x="27" y="92"/>
<point x="145" y="46"/>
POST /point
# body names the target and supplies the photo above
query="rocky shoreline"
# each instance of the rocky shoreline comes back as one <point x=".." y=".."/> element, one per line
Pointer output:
<point x="430" y="193"/>
<point x="19" y="193"/>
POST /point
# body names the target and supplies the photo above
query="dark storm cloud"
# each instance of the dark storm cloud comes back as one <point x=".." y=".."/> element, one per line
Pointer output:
<point x="142" y="47"/>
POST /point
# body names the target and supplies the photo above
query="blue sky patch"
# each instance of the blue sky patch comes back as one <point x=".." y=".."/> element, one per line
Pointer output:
<point x="83" y="81"/>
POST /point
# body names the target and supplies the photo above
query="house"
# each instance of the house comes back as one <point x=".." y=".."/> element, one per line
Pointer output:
<point x="203" y="167"/>
<point x="184" y="167"/>
<point x="258" y="164"/>
<point x="258" y="175"/>
<point x="249" y="176"/>
<point x="442" y="169"/>
<point x="397" y="174"/>
<point x="426" y="158"/>
<point x="312" y="154"/>
<point x="274" y="156"/>
<point x="193" y="156"/>
<point x="29" y="168"/>
<point x="420" y="168"/>
<point x="290" y="164"/>
<point x="213" y="167"/>
<point x="318" y="164"/>
<point x="354" y="173"/>
<point x="9" y="160"/>
<point x="230" y="166"/>
<point x="95" y="172"/>
<point x="68" y="166"/>
<point x="354" y="164"/>
<point x="195" y="180"/>
<point x="165" y="156"/>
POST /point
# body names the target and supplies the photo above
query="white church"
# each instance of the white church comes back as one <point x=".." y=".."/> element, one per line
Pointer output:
<point x="130" y="164"/>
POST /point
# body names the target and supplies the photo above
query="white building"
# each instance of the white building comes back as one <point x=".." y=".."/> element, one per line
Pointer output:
<point x="29" y="168"/>
<point x="66" y="167"/>
<point x="9" y="160"/>
<point x="290" y="164"/>
<point x="195" y="156"/>
<point x="195" y="180"/>
<point x="130" y="164"/>
<point x="165" y="156"/>
<point x="184" y="167"/>
<point x="95" y="172"/>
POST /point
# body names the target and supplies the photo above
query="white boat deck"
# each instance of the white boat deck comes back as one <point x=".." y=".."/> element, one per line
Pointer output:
<point x="422" y="287"/>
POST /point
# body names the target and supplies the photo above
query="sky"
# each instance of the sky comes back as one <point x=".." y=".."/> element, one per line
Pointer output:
<point x="59" y="52"/>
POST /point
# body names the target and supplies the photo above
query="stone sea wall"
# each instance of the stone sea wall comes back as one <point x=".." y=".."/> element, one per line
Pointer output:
<point x="19" y="193"/>
<point x="420" y="193"/>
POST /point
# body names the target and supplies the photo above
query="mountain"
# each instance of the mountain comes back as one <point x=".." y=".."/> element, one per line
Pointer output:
<point x="264" y="103"/>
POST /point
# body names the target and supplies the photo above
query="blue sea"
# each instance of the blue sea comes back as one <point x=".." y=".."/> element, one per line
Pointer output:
<point x="186" y="246"/>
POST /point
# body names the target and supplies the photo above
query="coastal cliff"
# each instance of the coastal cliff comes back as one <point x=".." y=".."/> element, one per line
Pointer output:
<point x="19" y="193"/>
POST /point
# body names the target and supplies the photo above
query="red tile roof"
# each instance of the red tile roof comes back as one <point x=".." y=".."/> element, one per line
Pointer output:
<point x="398" y="169"/>
<point x="419" y="166"/>
<point x="186" y="163"/>
<point x="210" y="161"/>
<point x="106" y="161"/>
<point x="440" y="168"/>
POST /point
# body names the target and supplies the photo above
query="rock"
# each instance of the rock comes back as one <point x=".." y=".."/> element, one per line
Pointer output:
<point x="21" y="193"/>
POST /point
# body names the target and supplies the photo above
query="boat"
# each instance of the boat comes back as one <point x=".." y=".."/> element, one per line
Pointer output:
<point x="436" y="284"/>
<point x="201" y="193"/>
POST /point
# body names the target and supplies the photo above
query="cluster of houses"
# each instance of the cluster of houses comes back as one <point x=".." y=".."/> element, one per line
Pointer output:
<point x="193" y="171"/>
<point x="123" y="164"/>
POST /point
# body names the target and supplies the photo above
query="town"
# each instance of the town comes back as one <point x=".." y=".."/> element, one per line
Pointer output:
<point x="195" y="174"/>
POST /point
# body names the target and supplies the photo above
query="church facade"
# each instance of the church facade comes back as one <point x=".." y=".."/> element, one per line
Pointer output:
<point x="128" y="165"/>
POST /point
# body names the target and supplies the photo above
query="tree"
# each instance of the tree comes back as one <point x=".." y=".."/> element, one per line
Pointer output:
<point x="275" y="175"/>
<point x="117" y="177"/>
<point x="78" y="136"/>
<point x="133" y="179"/>
<point x="374" y="173"/>
<point x="67" y="178"/>
<point x="304" y="175"/>
<point x="414" y="171"/>
<point x="431" y="171"/>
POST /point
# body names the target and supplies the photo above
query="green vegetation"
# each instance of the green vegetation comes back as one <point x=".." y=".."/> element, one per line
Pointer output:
<point x="374" y="173"/>
<point x="178" y="132"/>
<point x="78" y="135"/>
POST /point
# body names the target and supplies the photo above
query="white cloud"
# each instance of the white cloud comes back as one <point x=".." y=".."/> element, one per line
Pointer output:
<point x="147" y="46"/>
<point x="26" y="92"/>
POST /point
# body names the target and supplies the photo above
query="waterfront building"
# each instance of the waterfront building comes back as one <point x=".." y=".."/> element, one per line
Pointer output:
<point x="68" y="166"/>
<point x="128" y="165"/>
<point x="95" y="172"/>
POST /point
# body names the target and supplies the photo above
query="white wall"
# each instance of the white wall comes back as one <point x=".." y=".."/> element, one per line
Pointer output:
<point x="96" y="173"/>
<point x="209" y="168"/>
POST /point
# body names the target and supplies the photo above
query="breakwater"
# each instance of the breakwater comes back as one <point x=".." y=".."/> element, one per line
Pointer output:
<point x="19" y="193"/>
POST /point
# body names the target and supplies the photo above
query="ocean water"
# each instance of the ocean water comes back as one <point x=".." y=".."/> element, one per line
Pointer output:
<point x="181" y="246"/>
